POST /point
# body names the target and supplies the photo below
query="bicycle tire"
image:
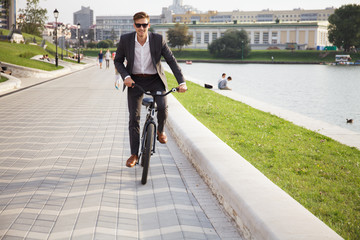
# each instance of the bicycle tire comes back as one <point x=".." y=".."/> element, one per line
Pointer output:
<point x="145" y="159"/>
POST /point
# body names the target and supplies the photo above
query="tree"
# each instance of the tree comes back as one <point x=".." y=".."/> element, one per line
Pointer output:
<point x="234" y="44"/>
<point x="103" y="44"/>
<point x="34" y="18"/>
<point x="344" y="27"/>
<point x="178" y="36"/>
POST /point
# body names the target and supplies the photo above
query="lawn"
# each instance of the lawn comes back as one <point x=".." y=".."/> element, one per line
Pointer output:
<point x="3" y="79"/>
<point x="320" y="173"/>
<point x="21" y="54"/>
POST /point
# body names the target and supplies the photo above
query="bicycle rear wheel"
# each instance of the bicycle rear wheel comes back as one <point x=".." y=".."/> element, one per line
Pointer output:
<point x="145" y="159"/>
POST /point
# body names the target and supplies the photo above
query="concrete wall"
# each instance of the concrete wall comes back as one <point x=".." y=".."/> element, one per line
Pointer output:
<point x="260" y="208"/>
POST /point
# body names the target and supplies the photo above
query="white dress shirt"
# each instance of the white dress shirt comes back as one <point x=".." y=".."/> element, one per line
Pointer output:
<point x="142" y="58"/>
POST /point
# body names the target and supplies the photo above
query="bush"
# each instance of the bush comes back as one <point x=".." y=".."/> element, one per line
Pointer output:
<point x="26" y="55"/>
<point x="103" y="44"/>
<point x="91" y="45"/>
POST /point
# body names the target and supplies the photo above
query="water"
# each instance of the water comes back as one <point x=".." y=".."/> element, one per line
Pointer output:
<point x="327" y="93"/>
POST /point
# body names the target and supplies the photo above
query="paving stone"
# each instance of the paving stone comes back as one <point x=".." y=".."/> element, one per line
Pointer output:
<point x="63" y="148"/>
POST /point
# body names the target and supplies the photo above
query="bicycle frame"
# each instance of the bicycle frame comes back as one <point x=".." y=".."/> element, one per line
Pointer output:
<point x="150" y="116"/>
<point x="149" y="120"/>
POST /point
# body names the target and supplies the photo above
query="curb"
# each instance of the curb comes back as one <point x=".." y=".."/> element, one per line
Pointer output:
<point x="12" y="83"/>
<point x="260" y="208"/>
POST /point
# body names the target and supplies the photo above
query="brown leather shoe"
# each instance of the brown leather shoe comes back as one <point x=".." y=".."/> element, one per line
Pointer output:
<point x="162" y="138"/>
<point x="132" y="161"/>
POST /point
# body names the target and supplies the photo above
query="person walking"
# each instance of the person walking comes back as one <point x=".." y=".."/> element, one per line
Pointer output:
<point x="143" y="50"/>
<point x="100" y="58"/>
<point x="107" y="58"/>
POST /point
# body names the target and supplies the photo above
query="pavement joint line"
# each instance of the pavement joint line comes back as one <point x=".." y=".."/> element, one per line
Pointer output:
<point x="93" y="184"/>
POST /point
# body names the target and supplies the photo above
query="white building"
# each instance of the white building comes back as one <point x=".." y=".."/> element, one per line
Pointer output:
<point x="304" y="35"/>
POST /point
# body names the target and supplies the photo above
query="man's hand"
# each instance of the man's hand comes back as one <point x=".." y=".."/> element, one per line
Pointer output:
<point x="128" y="82"/>
<point x="182" y="88"/>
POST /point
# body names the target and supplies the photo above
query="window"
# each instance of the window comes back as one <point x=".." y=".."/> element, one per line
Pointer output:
<point x="257" y="37"/>
<point x="274" y="36"/>
<point x="198" y="37"/>
<point x="214" y="36"/>
<point x="206" y="37"/>
<point x="265" y="38"/>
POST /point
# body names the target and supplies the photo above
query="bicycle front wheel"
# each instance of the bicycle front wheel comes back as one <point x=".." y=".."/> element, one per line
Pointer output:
<point x="145" y="159"/>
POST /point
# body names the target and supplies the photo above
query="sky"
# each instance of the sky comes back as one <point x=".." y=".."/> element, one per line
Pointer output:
<point x="66" y="8"/>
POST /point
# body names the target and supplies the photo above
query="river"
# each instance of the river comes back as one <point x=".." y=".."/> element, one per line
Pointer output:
<point x="327" y="93"/>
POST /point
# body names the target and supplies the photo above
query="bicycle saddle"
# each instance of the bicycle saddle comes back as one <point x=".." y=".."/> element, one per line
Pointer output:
<point x="147" y="101"/>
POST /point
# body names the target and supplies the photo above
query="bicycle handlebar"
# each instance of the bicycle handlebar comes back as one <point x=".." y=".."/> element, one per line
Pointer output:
<point x="157" y="93"/>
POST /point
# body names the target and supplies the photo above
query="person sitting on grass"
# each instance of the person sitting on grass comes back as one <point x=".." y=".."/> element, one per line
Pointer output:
<point x="223" y="84"/>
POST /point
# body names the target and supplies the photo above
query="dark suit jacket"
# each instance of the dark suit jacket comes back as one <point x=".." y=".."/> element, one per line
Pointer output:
<point x="158" y="48"/>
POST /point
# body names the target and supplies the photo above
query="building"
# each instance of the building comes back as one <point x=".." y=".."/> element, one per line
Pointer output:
<point x="8" y="15"/>
<point x="120" y="25"/>
<point x="85" y="17"/>
<point x="178" y="8"/>
<point x="124" y="24"/>
<point x="190" y="17"/>
<point x="302" y="35"/>
<point x="295" y="15"/>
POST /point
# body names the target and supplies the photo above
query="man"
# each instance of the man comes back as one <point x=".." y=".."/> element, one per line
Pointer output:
<point x="223" y="84"/>
<point x="143" y="50"/>
<point x="223" y="77"/>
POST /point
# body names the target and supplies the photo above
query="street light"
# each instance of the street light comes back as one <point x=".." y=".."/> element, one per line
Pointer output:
<point x="242" y="49"/>
<point x="56" y="15"/>
<point x="78" y="29"/>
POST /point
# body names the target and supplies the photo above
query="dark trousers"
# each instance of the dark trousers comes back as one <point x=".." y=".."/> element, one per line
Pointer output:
<point x="135" y="97"/>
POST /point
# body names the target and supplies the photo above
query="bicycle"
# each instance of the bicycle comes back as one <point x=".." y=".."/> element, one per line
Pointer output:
<point x="149" y="130"/>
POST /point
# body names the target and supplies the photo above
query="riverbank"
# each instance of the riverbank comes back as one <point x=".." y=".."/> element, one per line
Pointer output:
<point x="318" y="172"/>
<point x="246" y="62"/>
<point x="256" y="56"/>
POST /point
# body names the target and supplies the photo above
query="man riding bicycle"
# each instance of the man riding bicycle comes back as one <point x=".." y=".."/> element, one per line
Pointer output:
<point x="143" y="50"/>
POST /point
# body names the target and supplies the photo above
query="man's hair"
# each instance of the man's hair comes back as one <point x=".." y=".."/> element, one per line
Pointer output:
<point x="229" y="78"/>
<point x="140" y="15"/>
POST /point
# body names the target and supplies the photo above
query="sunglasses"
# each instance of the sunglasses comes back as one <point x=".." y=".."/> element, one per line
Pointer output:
<point x="144" y="25"/>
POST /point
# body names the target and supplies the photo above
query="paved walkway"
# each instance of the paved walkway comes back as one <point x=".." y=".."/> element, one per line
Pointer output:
<point x="63" y="147"/>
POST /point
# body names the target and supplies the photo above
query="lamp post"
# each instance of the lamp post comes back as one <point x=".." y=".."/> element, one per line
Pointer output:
<point x="242" y="49"/>
<point x="56" y="15"/>
<point x="78" y="30"/>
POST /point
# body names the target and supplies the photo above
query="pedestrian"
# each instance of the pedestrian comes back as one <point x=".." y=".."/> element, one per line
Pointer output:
<point x="223" y="84"/>
<point x="144" y="68"/>
<point x="100" y="58"/>
<point x="107" y="58"/>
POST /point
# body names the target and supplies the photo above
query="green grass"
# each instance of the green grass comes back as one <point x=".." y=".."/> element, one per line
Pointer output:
<point x="320" y="173"/>
<point x="20" y="54"/>
<point x="95" y="52"/>
<point x="256" y="55"/>
<point x="3" y="79"/>
<point x="265" y="55"/>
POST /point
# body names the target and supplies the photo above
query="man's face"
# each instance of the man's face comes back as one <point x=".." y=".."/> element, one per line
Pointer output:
<point x="141" y="27"/>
